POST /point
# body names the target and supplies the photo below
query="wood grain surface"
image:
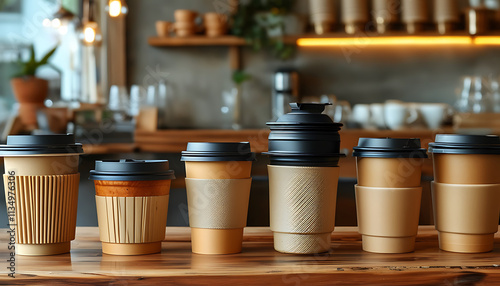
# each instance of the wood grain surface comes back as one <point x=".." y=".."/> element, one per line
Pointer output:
<point x="258" y="264"/>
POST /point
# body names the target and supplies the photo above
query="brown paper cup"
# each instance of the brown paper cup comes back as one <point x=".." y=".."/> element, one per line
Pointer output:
<point x="42" y="165"/>
<point x="388" y="218"/>
<point x="389" y="172"/>
<point x="217" y="214"/>
<point x="216" y="241"/>
<point x="218" y="170"/>
<point x="45" y="212"/>
<point x="466" y="169"/>
<point x="466" y="216"/>
<point x="132" y="215"/>
<point x="302" y="207"/>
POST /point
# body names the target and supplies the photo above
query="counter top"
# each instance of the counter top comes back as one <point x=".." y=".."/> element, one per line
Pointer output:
<point x="258" y="264"/>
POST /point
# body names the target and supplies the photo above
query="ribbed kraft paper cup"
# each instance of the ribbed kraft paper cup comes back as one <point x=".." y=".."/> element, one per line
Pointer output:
<point x="132" y="203"/>
<point x="388" y="218"/>
<point x="42" y="178"/>
<point x="302" y="207"/>
<point x="466" y="216"/>
<point x="45" y="212"/>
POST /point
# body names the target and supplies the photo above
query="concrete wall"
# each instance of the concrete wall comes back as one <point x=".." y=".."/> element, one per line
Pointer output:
<point x="198" y="75"/>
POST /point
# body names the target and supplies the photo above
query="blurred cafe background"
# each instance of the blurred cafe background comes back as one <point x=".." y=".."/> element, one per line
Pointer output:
<point x="140" y="79"/>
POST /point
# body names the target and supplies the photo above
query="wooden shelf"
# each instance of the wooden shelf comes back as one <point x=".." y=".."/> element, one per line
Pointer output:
<point x="196" y="41"/>
<point x="205" y="41"/>
<point x="258" y="264"/>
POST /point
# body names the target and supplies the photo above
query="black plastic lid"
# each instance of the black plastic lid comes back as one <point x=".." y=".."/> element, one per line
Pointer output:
<point x="131" y="170"/>
<point x="465" y="144"/>
<point x="22" y="145"/>
<point x="306" y="114"/>
<point x="389" y="148"/>
<point x="304" y="159"/>
<point x="217" y="151"/>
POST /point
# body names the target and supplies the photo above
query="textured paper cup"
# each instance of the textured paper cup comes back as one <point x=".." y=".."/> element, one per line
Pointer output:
<point x="218" y="170"/>
<point x="466" y="216"/>
<point x="42" y="165"/>
<point x="217" y="214"/>
<point x="302" y="207"/>
<point x="45" y="212"/>
<point x="466" y="168"/>
<point x="132" y="215"/>
<point x="388" y="218"/>
<point x="389" y="172"/>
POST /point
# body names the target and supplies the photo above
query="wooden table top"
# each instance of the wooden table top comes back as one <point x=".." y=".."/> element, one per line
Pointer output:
<point x="258" y="264"/>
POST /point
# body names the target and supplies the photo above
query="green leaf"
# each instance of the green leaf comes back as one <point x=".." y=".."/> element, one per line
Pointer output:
<point x="47" y="56"/>
<point x="239" y="76"/>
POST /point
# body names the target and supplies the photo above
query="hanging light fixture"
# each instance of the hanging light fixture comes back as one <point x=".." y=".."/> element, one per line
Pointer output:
<point x="116" y="8"/>
<point x="59" y="20"/>
<point x="91" y="34"/>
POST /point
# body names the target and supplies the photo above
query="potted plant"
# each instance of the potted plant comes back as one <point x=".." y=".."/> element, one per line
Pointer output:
<point x="29" y="90"/>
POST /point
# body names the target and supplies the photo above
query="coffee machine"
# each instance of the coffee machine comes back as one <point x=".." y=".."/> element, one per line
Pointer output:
<point x="285" y="91"/>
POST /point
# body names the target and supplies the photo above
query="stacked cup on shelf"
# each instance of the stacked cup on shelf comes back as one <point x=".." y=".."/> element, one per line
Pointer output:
<point x="303" y="176"/>
<point x="132" y="202"/>
<point x="388" y="193"/>
<point x="354" y="15"/>
<point x="466" y="191"/>
<point x="414" y="14"/>
<point x="385" y="13"/>
<point x="446" y="15"/>
<point x="41" y="191"/>
<point x="218" y="191"/>
<point x="323" y="15"/>
<point x="215" y="24"/>
<point x="185" y="23"/>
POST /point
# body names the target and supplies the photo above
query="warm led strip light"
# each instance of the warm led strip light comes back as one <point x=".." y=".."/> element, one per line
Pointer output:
<point x="380" y="41"/>
<point x="485" y="40"/>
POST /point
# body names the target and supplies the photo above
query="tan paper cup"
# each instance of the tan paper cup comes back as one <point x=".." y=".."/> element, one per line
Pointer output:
<point x="218" y="186"/>
<point x="41" y="183"/>
<point x="466" y="216"/>
<point x="43" y="164"/>
<point x="132" y="215"/>
<point x="466" y="168"/>
<point x="389" y="172"/>
<point x="388" y="218"/>
<point x="217" y="214"/>
<point x="219" y="170"/>
<point x="132" y="204"/>
<point x="45" y="212"/>
<point x="302" y="203"/>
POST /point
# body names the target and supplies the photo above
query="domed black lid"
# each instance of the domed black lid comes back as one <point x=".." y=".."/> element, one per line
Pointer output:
<point x="389" y="148"/>
<point x="465" y="144"/>
<point x="22" y="145"/>
<point x="306" y="114"/>
<point x="131" y="170"/>
<point x="217" y="151"/>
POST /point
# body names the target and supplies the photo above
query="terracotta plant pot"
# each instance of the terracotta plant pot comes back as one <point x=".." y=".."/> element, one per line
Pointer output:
<point x="31" y="93"/>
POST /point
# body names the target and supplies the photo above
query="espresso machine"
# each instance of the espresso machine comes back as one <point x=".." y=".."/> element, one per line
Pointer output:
<point x="285" y="91"/>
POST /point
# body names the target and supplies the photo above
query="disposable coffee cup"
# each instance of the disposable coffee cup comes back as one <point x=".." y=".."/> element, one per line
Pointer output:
<point x="388" y="192"/>
<point x="466" y="191"/>
<point x="466" y="159"/>
<point x="132" y="203"/>
<point x="218" y="190"/>
<point x="41" y="190"/>
<point x="388" y="218"/>
<point x="304" y="153"/>
<point x="389" y="162"/>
